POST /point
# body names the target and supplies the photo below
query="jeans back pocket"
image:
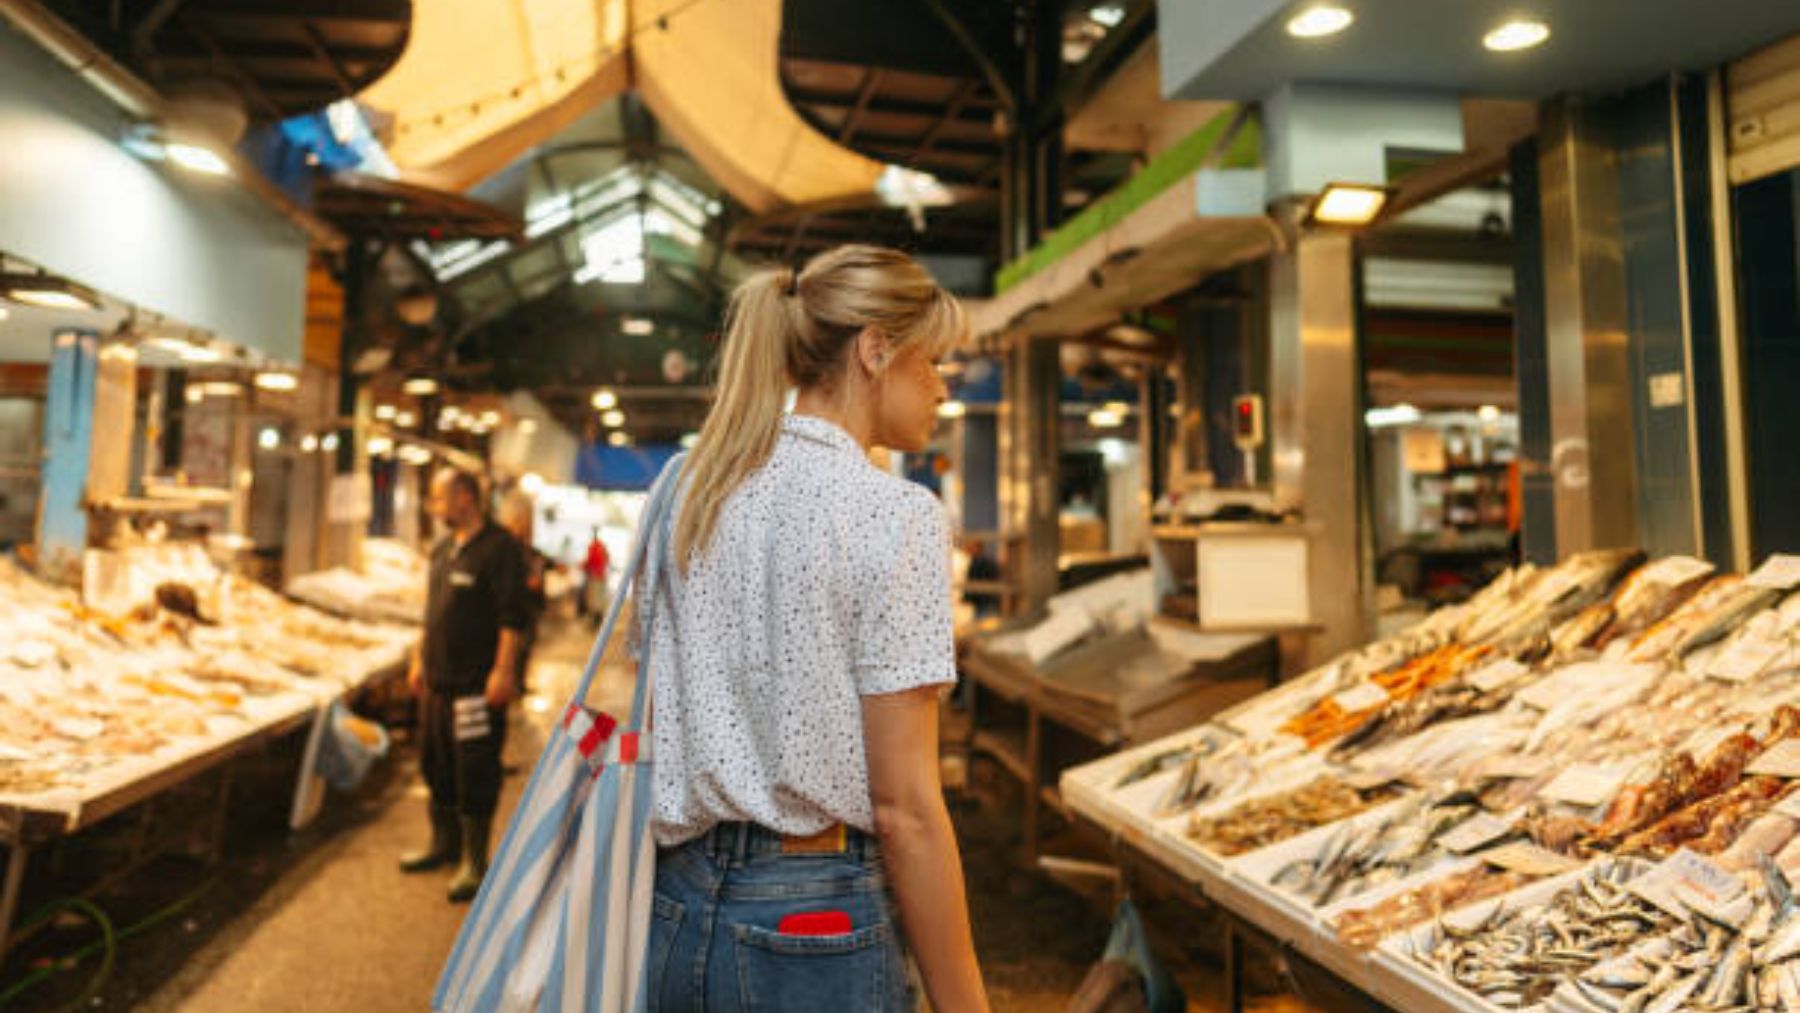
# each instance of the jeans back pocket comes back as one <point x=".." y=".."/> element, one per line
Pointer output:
<point x="798" y="974"/>
<point x="665" y="925"/>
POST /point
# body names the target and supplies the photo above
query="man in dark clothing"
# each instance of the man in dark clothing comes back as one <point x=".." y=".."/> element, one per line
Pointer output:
<point x="464" y="674"/>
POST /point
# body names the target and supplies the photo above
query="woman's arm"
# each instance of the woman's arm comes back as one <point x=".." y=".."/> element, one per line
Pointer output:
<point x="918" y="845"/>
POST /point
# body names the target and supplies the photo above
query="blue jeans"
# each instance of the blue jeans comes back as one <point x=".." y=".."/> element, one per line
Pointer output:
<point x="714" y="939"/>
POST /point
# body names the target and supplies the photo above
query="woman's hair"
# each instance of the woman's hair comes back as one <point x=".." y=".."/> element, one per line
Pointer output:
<point x="794" y="329"/>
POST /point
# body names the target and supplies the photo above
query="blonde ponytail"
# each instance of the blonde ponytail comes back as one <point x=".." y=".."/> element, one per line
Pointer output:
<point x="787" y="329"/>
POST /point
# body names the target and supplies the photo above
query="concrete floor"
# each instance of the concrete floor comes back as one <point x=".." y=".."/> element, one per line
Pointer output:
<point x="322" y="920"/>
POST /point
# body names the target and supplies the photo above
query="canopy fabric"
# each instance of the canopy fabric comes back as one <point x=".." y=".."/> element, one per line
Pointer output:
<point x="482" y="81"/>
<point x="485" y="80"/>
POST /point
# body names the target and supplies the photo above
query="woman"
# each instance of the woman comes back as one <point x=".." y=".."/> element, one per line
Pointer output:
<point x="804" y="633"/>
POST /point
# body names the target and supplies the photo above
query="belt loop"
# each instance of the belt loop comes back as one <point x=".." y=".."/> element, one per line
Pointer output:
<point x="743" y="843"/>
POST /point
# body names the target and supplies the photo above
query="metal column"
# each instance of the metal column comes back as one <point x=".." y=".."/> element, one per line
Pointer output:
<point x="1592" y="453"/>
<point x="62" y="524"/>
<point x="1316" y="405"/>
<point x="1032" y="430"/>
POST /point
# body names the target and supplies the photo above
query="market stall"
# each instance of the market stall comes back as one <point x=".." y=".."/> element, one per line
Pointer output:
<point x="1575" y="791"/>
<point x="110" y="698"/>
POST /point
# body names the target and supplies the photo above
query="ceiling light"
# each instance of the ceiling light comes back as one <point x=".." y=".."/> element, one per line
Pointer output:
<point x="200" y="354"/>
<point x="309" y="443"/>
<point x="1398" y="415"/>
<point x="952" y="410"/>
<point x="47" y="291"/>
<point x="446" y="421"/>
<point x="195" y="158"/>
<point x="415" y="455"/>
<point x="690" y="440"/>
<point x="420" y="386"/>
<point x="605" y="400"/>
<point x="1107" y="15"/>
<point x="272" y="379"/>
<point x="381" y="446"/>
<point x="406" y="420"/>
<point x="613" y="419"/>
<point x="1348" y="204"/>
<point x="329" y="443"/>
<point x="384" y="412"/>
<point x="269" y="438"/>
<point x="638" y="327"/>
<point x="1105" y="418"/>
<point x="218" y="388"/>
<point x="1119" y="408"/>
<point x="618" y="439"/>
<point x="194" y="395"/>
<point x="1516" y="35"/>
<point x="1489" y="413"/>
<point x="528" y="426"/>
<point x="3" y="313"/>
<point x="490" y="419"/>
<point x="1318" y="21"/>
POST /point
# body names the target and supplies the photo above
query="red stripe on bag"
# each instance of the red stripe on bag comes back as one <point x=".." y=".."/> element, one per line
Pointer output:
<point x="569" y="718"/>
<point x="603" y="729"/>
<point x="628" y="747"/>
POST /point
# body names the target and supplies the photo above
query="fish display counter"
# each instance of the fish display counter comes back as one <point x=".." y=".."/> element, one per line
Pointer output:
<point x="389" y="587"/>
<point x="103" y="708"/>
<point x="1577" y="791"/>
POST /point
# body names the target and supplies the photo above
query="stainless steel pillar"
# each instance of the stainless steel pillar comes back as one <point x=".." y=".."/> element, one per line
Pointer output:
<point x="1315" y="406"/>
<point x="1592" y="449"/>
<point x="1031" y="449"/>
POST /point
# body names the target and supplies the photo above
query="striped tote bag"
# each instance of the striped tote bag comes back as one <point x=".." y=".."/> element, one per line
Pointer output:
<point x="562" y="918"/>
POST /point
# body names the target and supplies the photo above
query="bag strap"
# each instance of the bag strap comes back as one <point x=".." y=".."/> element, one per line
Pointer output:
<point x="652" y="531"/>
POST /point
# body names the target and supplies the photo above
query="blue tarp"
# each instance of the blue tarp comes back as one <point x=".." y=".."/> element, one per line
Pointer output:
<point x="600" y="466"/>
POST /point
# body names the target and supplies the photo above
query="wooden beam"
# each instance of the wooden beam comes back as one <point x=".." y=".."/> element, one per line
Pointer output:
<point x="316" y="41"/>
<point x="871" y="80"/>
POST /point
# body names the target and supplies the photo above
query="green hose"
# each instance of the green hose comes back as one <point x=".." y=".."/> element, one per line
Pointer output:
<point x="108" y="943"/>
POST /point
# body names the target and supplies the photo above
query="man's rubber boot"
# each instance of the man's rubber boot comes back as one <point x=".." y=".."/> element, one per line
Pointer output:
<point x="467" y="883"/>
<point x="445" y="844"/>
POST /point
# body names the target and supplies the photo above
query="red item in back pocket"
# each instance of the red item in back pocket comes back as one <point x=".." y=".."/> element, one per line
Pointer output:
<point x="815" y="923"/>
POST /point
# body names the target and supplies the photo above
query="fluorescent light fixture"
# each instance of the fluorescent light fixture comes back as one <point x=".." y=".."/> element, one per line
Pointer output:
<point x="218" y="388"/>
<point x="309" y="443"/>
<point x="1515" y="35"/>
<point x="46" y="291"/>
<point x="200" y="354"/>
<point x="1398" y="415"/>
<point x="605" y="400"/>
<point x="1488" y="413"/>
<point x="330" y="443"/>
<point x="1119" y="408"/>
<point x="1105" y="418"/>
<point x="196" y="158"/>
<point x="385" y="412"/>
<point x="532" y="483"/>
<point x="1348" y="204"/>
<point x="638" y="327"/>
<point x="274" y="379"/>
<point x="406" y="420"/>
<point x="420" y="386"/>
<point x="952" y="410"/>
<point x="1107" y="15"/>
<point x="269" y="438"/>
<point x="618" y="439"/>
<point x="381" y="446"/>
<point x="613" y="419"/>
<point x="1319" y="20"/>
<point x="690" y="440"/>
<point x="194" y="395"/>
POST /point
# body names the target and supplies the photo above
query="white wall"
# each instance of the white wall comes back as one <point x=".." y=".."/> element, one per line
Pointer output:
<point x="74" y="201"/>
<point x="548" y="450"/>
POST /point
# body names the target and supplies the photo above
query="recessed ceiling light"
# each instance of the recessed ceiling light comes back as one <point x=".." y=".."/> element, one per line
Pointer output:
<point x="613" y="419"/>
<point x="637" y="327"/>
<point x="420" y="386"/>
<point x="618" y="439"/>
<point x="1516" y="35"/>
<point x="605" y="400"/>
<point x="1348" y="204"/>
<point x="1319" y="20"/>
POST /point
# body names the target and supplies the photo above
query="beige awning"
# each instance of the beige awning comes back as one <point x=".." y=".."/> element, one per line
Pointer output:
<point x="482" y="81"/>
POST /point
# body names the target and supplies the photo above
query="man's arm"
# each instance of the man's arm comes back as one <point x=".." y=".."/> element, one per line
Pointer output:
<point x="509" y="602"/>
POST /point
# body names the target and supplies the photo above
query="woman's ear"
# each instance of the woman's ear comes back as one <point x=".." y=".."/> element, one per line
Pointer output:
<point x="872" y="350"/>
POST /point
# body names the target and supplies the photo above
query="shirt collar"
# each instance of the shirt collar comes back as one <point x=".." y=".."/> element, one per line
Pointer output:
<point x="817" y="430"/>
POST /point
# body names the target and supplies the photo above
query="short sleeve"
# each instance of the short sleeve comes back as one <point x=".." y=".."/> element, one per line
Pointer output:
<point x="904" y="635"/>
<point x="509" y="584"/>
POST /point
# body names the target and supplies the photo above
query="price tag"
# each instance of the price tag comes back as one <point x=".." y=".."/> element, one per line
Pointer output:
<point x="1529" y="859"/>
<point x="1360" y="697"/>
<point x="1780" y="760"/>
<point x="1685" y="881"/>
<point x="1515" y="767"/>
<point x="1674" y="571"/>
<point x="1500" y="673"/>
<point x="1479" y="831"/>
<point x="1584" y="784"/>
<point x="1777" y="572"/>
<point x="1745" y="659"/>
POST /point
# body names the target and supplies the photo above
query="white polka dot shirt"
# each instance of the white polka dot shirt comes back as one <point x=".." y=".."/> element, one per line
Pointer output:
<point x="826" y="580"/>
